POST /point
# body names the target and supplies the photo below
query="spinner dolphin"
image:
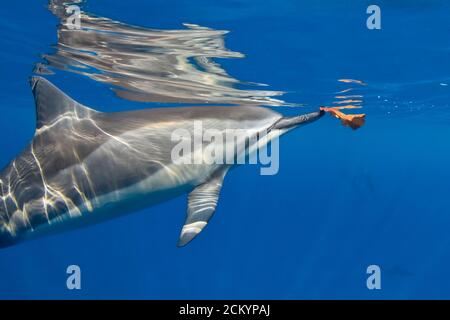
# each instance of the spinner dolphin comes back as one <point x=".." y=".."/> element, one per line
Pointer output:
<point x="84" y="166"/>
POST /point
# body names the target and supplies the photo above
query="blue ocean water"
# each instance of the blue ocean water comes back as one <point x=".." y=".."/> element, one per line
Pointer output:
<point x="342" y="200"/>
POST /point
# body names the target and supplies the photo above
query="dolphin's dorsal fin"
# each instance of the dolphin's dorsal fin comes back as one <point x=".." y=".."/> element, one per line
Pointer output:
<point x="202" y="202"/>
<point x="51" y="103"/>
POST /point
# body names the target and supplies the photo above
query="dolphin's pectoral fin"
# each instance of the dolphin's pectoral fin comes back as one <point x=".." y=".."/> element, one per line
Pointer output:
<point x="202" y="202"/>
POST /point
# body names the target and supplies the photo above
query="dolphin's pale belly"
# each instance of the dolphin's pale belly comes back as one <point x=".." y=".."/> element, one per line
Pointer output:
<point x="152" y="190"/>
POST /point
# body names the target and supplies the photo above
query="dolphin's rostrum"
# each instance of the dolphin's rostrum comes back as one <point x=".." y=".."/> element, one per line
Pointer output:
<point x="84" y="166"/>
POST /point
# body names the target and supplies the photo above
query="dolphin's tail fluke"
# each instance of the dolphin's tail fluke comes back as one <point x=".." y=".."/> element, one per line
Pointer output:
<point x="292" y="122"/>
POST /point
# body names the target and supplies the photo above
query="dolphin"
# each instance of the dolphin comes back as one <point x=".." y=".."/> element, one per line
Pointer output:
<point x="85" y="166"/>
